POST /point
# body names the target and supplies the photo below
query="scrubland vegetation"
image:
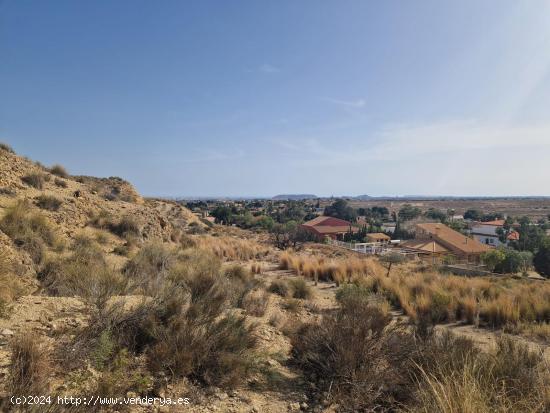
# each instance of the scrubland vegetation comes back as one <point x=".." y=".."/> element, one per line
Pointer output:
<point x="225" y="247"/>
<point x="36" y="180"/>
<point x="322" y="269"/>
<point x="29" y="230"/>
<point x="360" y="359"/>
<point x="49" y="202"/>
<point x="59" y="170"/>
<point x="11" y="286"/>
<point x="198" y="307"/>
<point x="430" y="297"/>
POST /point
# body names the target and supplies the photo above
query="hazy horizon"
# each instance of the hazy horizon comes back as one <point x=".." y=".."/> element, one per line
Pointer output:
<point x="332" y="98"/>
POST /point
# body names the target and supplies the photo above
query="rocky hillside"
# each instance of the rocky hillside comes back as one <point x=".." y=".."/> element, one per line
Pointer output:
<point x="82" y="205"/>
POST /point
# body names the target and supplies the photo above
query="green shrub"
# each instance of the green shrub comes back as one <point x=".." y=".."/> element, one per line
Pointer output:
<point x="84" y="273"/>
<point x="351" y="294"/>
<point x="150" y="265"/>
<point x="184" y="329"/>
<point x="358" y="357"/>
<point x="240" y="281"/>
<point x="35" y="180"/>
<point x="49" y="202"/>
<point x="542" y="259"/>
<point x="300" y="289"/>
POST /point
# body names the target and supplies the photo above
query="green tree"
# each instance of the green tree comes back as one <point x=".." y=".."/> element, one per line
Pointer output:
<point x="341" y="209"/>
<point x="473" y="214"/>
<point x="493" y="258"/>
<point x="436" y="214"/>
<point x="223" y="214"/>
<point x="514" y="261"/>
<point x="542" y="259"/>
<point x="409" y="212"/>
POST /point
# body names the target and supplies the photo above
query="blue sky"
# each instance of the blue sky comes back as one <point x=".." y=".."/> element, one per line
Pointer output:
<point x="256" y="98"/>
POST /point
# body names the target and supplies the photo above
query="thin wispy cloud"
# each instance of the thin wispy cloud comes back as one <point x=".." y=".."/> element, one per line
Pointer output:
<point x="402" y="142"/>
<point x="269" y="69"/>
<point x="214" y="156"/>
<point x="359" y="103"/>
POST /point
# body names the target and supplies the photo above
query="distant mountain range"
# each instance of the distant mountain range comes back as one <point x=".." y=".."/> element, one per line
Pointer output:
<point x="294" y="197"/>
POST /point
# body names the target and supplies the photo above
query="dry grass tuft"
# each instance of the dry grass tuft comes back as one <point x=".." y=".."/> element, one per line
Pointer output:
<point x="48" y="202"/>
<point x="29" y="230"/>
<point x="229" y="248"/>
<point x="11" y="286"/>
<point x="279" y="287"/>
<point x="321" y="269"/>
<point x="256" y="302"/>
<point x="30" y="366"/>
<point x="35" y="180"/>
<point x="256" y="268"/>
<point x="357" y="358"/>
<point x="60" y="183"/>
<point x="60" y="171"/>
<point x="300" y="289"/>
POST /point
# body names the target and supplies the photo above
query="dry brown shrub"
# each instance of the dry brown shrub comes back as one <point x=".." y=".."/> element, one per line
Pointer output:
<point x="35" y="180"/>
<point x="279" y="287"/>
<point x="59" y="170"/>
<point x="30" y="366"/>
<point x="48" y="202"/>
<point x="256" y="302"/>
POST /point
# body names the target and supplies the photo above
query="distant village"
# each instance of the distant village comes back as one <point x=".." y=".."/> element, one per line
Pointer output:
<point x="436" y="235"/>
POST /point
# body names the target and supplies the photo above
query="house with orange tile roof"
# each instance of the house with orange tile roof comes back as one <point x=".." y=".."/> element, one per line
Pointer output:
<point x="439" y="239"/>
<point x="323" y="226"/>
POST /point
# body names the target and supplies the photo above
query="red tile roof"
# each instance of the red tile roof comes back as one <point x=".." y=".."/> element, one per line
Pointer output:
<point x="326" y="221"/>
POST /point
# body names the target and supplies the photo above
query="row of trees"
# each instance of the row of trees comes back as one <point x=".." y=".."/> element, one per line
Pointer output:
<point x="248" y="216"/>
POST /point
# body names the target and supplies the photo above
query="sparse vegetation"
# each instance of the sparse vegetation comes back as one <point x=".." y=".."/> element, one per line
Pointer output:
<point x="60" y="183"/>
<point x="230" y="248"/>
<point x="29" y="367"/>
<point x="8" y="192"/>
<point x="59" y="170"/>
<point x="29" y="230"/>
<point x="84" y="273"/>
<point x="255" y="303"/>
<point x="11" y="286"/>
<point x="300" y="289"/>
<point x="183" y="328"/>
<point x="279" y="287"/>
<point x="5" y="147"/>
<point x="125" y="227"/>
<point x="36" y="180"/>
<point x="49" y="202"/>
<point x="359" y="360"/>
